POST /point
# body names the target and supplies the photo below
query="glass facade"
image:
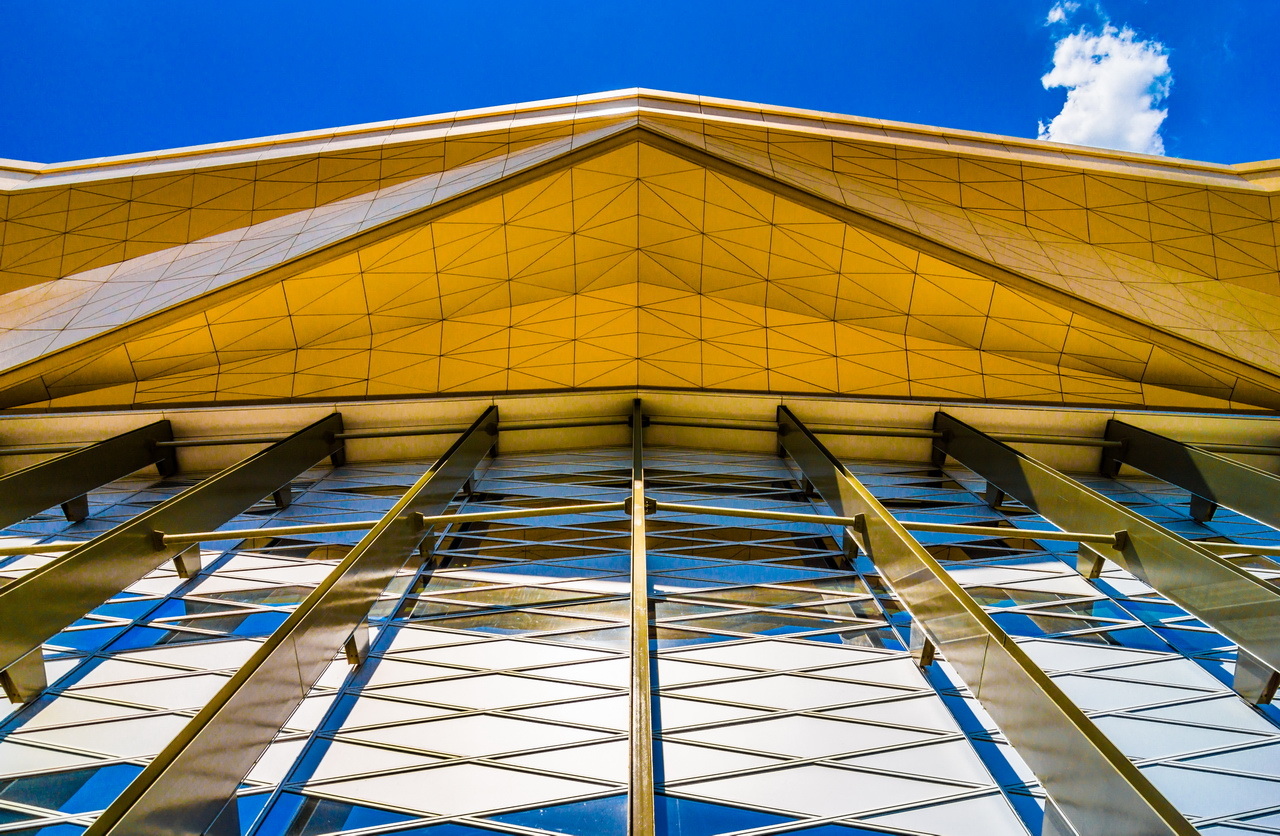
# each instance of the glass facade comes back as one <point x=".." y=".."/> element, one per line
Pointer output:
<point x="496" y="695"/>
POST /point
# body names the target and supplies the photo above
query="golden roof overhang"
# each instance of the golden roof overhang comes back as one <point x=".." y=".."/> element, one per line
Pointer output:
<point x="640" y="239"/>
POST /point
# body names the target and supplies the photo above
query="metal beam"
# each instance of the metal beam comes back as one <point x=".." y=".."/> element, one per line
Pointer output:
<point x="1212" y="479"/>
<point x="37" y="606"/>
<point x="641" y="806"/>
<point x="67" y="479"/>
<point x="1225" y="596"/>
<point x="1090" y="783"/>
<point x="1112" y="540"/>
<point x="330" y="528"/>
<point x="191" y="784"/>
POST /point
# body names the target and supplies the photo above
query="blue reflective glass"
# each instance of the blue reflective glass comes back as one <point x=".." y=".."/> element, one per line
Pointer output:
<point x="251" y="806"/>
<point x="298" y="815"/>
<point x="126" y="609"/>
<point x="658" y="562"/>
<point x="542" y="570"/>
<point x="138" y="637"/>
<point x="78" y="791"/>
<point x="260" y="624"/>
<point x="685" y="817"/>
<point x="1137" y="637"/>
<point x="91" y="639"/>
<point x="740" y="573"/>
<point x="1193" y="641"/>
<point x="599" y="815"/>
<point x="611" y="563"/>
<point x="1018" y="624"/>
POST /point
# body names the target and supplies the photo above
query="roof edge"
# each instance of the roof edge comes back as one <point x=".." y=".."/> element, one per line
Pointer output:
<point x="1263" y="174"/>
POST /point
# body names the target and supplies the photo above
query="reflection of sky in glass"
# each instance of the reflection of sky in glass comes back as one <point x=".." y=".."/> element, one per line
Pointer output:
<point x="496" y="697"/>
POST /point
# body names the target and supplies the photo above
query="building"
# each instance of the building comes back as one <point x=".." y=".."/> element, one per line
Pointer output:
<point x="642" y="342"/>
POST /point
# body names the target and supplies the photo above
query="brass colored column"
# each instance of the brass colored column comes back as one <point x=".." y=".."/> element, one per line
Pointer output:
<point x="189" y="788"/>
<point x="1093" y="788"/>
<point x="1241" y="607"/>
<point x="37" y="606"/>
<point x="66" y="480"/>
<point x="640" y="808"/>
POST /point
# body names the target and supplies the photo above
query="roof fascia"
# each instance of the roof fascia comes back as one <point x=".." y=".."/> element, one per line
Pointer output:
<point x="15" y="174"/>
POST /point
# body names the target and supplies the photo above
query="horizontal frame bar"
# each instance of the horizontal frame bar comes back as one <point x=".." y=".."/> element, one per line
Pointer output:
<point x="881" y="432"/>
<point x="329" y="528"/>
<point x="944" y="528"/>
<point x="675" y="507"/>
<point x="42" y="449"/>
<point x="361" y="525"/>
<point x="342" y="436"/>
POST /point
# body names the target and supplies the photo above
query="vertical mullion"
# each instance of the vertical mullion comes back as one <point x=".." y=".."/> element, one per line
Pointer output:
<point x="640" y="798"/>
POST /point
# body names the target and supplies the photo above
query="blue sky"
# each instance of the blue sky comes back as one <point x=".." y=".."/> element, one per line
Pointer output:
<point x="82" y="79"/>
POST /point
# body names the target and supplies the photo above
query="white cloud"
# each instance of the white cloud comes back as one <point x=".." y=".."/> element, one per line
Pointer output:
<point x="1115" y="84"/>
<point x="1061" y="11"/>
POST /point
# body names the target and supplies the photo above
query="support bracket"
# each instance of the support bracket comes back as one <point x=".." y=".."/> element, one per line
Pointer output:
<point x="1202" y="510"/>
<point x="923" y="650"/>
<point x="26" y="678"/>
<point x="1090" y="562"/>
<point x="994" y="497"/>
<point x="650" y="506"/>
<point x="1254" y="679"/>
<point x="356" y="647"/>
<point x="76" y="509"/>
<point x="188" y="562"/>
<point x="283" y="496"/>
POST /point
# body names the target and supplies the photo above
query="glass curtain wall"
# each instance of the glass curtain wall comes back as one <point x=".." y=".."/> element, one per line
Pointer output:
<point x="1153" y="679"/>
<point x="496" y="698"/>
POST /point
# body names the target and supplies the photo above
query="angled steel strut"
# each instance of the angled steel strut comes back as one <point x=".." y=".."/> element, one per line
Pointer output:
<point x="67" y="479"/>
<point x="37" y="606"/>
<point x="190" y="786"/>
<point x="1240" y="606"/>
<point x="1093" y="788"/>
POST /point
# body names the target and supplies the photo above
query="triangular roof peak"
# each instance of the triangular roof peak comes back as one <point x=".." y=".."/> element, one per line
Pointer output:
<point x="624" y="103"/>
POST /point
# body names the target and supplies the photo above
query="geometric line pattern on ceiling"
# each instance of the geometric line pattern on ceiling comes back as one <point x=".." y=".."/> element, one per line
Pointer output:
<point x="719" y="246"/>
<point x="638" y="268"/>
<point x="62" y="223"/>
<point x="46" y="318"/>
<point x="1240" y="316"/>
